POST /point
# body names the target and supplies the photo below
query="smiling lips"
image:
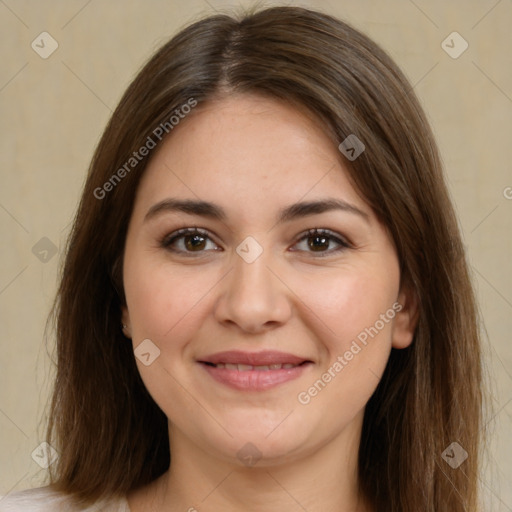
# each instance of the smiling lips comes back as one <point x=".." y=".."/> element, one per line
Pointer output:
<point x="254" y="371"/>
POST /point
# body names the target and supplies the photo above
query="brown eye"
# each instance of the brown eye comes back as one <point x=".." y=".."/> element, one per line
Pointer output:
<point x="187" y="240"/>
<point x="193" y="242"/>
<point x="319" y="240"/>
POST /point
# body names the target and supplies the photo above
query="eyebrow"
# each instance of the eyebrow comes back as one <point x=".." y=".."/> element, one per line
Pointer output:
<point x="287" y="214"/>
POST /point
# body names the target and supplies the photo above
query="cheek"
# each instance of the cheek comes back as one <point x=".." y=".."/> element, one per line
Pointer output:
<point x="161" y="299"/>
<point x="164" y="306"/>
<point x="348" y="301"/>
<point x="357" y="309"/>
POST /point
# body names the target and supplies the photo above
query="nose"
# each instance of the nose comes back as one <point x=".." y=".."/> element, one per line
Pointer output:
<point x="253" y="296"/>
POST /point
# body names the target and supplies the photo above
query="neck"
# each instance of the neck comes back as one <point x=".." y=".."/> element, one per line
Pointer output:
<point x="323" y="480"/>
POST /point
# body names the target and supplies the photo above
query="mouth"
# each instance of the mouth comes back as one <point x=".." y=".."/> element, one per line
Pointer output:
<point x="254" y="371"/>
<point x="249" y="367"/>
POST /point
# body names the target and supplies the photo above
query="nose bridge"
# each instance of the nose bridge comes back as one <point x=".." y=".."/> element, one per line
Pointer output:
<point x="251" y="279"/>
<point x="253" y="272"/>
<point x="253" y="296"/>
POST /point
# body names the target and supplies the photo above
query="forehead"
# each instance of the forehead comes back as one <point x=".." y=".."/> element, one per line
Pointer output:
<point x="247" y="150"/>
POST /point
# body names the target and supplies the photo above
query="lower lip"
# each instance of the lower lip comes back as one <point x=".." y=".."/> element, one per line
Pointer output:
<point x="254" y="380"/>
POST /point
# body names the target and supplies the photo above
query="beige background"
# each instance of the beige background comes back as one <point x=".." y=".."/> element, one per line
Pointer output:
<point x="54" y="110"/>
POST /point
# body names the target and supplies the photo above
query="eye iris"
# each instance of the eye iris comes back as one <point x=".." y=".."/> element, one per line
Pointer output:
<point x="323" y="244"/>
<point x="196" y="241"/>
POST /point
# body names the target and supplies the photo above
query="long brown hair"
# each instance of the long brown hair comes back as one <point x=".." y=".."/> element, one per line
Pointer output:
<point x="110" y="434"/>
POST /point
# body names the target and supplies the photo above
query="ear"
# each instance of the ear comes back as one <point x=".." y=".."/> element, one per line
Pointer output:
<point x="406" y="319"/>
<point x="125" y="319"/>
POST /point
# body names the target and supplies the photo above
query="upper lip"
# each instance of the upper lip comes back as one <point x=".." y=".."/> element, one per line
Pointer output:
<point x="262" y="358"/>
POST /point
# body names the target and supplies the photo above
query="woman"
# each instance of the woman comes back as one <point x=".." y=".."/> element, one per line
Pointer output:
<point x="265" y="303"/>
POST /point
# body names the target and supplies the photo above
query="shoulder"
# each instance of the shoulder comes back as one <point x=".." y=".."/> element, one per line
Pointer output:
<point x="45" y="499"/>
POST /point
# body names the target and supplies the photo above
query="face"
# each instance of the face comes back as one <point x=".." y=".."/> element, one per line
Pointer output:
<point x="260" y="322"/>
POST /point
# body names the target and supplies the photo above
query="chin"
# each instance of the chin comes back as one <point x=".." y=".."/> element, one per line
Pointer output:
<point x="261" y="443"/>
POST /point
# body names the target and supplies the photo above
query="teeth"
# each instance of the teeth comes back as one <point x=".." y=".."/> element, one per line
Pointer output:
<point x="247" y="367"/>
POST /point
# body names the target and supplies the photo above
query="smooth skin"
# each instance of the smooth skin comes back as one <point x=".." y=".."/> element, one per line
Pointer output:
<point x="253" y="156"/>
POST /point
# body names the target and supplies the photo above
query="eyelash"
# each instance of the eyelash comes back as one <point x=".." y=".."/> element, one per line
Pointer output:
<point x="169" y="240"/>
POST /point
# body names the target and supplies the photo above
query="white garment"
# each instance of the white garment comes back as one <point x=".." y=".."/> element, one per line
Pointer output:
<point x="43" y="499"/>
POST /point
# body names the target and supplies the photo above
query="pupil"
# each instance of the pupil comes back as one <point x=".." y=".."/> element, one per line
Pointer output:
<point x="323" y="242"/>
<point x="196" y="241"/>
